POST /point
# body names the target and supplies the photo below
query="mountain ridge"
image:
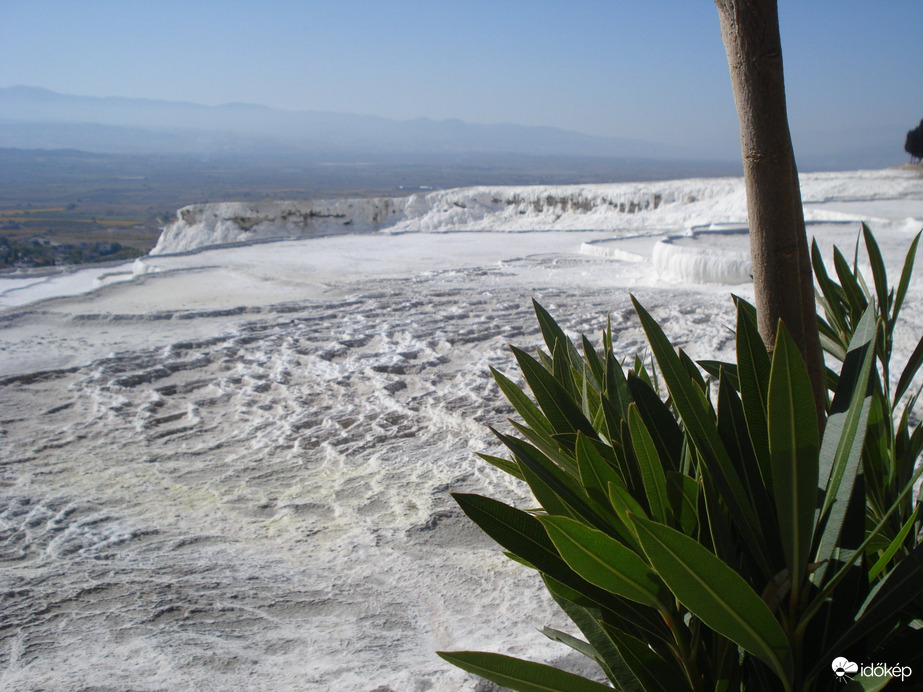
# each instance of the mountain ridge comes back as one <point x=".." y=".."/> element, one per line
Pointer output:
<point x="27" y="111"/>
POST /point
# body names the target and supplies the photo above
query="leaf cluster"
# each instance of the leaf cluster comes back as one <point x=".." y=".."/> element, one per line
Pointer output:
<point x="713" y="538"/>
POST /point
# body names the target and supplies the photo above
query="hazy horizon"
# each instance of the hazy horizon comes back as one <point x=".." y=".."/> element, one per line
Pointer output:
<point x="654" y="72"/>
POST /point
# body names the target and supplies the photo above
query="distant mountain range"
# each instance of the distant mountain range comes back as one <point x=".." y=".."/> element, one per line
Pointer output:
<point x="34" y="118"/>
<point x="37" y="118"/>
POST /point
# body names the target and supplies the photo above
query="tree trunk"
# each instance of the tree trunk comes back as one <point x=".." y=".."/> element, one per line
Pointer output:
<point x="782" y="276"/>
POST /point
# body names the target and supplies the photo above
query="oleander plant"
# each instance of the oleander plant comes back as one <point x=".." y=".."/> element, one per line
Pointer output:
<point x="699" y="525"/>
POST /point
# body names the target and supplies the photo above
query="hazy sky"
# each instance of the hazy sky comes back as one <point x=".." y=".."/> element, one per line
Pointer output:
<point x="645" y="69"/>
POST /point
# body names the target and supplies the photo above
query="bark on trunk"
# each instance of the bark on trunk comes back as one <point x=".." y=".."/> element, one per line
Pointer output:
<point x="782" y="276"/>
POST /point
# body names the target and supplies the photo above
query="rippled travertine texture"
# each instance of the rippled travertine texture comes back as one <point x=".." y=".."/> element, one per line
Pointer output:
<point x="269" y="508"/>
<point x="252" y="493"/>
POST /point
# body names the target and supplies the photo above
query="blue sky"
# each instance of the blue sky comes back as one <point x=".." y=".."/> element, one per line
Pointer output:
<point x="644" y="69"/>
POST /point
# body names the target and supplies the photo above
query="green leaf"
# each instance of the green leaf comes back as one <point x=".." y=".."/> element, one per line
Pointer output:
<point x="654" y="673"/>
<point x="650" y="466"/>
<point x="694" y="373"/>
<point x="549" y="445"/>
<point x="845" y="428"/>
<point x="597" y="369"/>
<point x="617" y="386"/>
<point x="901" y="585"/>
<point x="517" y="674"/>
<point x="596" y="471"/>
<point x="879" y="273"/>
<point x="793" y="447"/>
<point x="625" y="504"/>
<point x="732" y="425"/>
<point x="660" y="422"/>
<point x="530" y="413"/>
<point x="683" y="495"/>
<point x="905" y="277"/>
<point x="524" y="536"/>
<point x="910" y="370"/>
<point x="557" y="492"/>
<point x="701" y="426"/>
<point x="844" y="436"/>
<point x="714" y="368"/>
<point x="605" y="562"/>
<point x="552" y="398"/>
<point x="563" y="371"/>
<point x="510" y="467"/>
<point x="872" y="535"/>
<point x="753" y="367"/>
<point x="888" y="598"/>
<point x="894" y="546"/>
<point x="552" y="334"/>
<point x="850" y="284"/>
<point x="716" y="594"/>
<point x="605" y="652"/>
<point x="833" y="297"/>
<point x="571" y="641"/>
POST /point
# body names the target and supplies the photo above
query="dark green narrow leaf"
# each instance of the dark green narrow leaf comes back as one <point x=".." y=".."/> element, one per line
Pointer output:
<point x="844" y="435"/>
<point x="530" y="413"/>
<point x="524" y="536"/>
<point x="901" y="585"/>
<point x="613" y="424"/>
<point x="910" y="370"/>
<point x="694" y="373"/>
<point x="617" y="386"/>
<point x="640" y="370"/>
<point x="753" y="366"/>
<point x="716" y="521"/>
<point x="890" y="595"/>
<point x="834" y="298"/>
<point x="894" y="546"/>
<point x="716" y="594"/>
<point x="570" y="640"/>
<point x="905" y="277"/>
<point x="544" y="360"/>
<point x="650" y="466"/>
<point x="625" y="505"/>
<point x="590" y="397"/>
<point x="593" y="360"/>
<point x="596" y="473"/>
<point x="714" y="368"/>
<point x="558" y="407"/>
<point x="563" y="371"/>
<point x="701" y="426"/>
<point x="549" y="446"/>
<point x="879" y="273"/>
<point x="743" y="305"/>
<point x="630" y="470"/>
<point x="517" y="674"/>
<point x="654" y="673"/>
<point x="850" y="285"/>
<point x="793" y="447"/>
<point x="506" y="465"/>
<point x="683" y="495"/>
<point x="662" y="426"/>
<point x="871" y="535"/>
<point x="605" y="562"/>
<point x="552" y="334"/>
<point x="557" y="492"/>
<point x="606" y="653"/>
<point x="732" y="425"/>
<point x="617" y="612"/>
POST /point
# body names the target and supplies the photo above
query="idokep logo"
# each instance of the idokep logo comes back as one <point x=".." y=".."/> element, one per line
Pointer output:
<point x="844" y="669"/>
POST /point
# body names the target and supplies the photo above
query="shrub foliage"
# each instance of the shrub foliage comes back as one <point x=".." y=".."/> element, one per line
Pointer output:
<point x="712" y="537"/>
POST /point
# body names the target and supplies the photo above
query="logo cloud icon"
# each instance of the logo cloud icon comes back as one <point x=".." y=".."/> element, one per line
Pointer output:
<point x="843" y="666"/>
